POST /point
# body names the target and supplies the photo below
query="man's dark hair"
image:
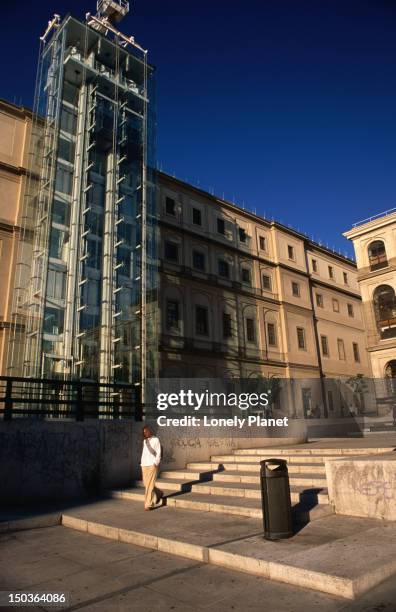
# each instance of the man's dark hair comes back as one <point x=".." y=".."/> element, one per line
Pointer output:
<point x="149" y="430"/>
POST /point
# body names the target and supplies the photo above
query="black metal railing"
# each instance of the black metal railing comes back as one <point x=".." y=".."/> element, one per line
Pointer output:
<point x="67" y="399"/>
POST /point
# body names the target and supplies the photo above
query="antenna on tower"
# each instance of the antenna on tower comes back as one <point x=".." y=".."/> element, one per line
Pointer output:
<point x="112" y="10"/>
<point x="108" y="13"/>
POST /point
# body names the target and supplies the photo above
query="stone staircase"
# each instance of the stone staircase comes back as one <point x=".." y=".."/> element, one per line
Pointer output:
<point x="230" y="484"/>
<point x="340" y="555"/>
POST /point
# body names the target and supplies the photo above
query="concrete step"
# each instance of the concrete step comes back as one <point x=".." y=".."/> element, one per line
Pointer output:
<point x="302" y="478"/>
<point x="293" y="468"/>
<point x="238" y="506"/>
<point x="339" y="555"/>
<point x="236" y="489"/>
<point x="306" y="450"/>
<point x="257" y="458"/>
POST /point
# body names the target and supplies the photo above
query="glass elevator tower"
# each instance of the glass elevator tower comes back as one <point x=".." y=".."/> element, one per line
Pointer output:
<point x="85" y="299"/>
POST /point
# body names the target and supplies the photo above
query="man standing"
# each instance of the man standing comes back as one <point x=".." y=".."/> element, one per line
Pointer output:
<point x="151" y="457"/>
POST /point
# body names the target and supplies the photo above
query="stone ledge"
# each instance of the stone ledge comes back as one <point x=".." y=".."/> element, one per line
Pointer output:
<point x="33" y="522"/>
<point x="363" y="486"/>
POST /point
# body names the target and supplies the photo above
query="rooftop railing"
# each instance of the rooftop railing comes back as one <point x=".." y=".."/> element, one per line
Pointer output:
<point x="374" y="217"/>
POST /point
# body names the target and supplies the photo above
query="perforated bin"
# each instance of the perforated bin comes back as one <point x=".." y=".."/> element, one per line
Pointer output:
<point x="275" y="498"/>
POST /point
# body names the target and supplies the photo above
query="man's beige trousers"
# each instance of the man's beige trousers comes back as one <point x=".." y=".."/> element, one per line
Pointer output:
<point x="152" y="495"/>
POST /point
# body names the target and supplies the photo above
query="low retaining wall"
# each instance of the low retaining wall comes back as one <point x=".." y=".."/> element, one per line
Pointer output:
<point x="47" y="460"/>
<point x="182" y="445"/>
<point x="63" y="460"/>
<point x="363" y="486"/>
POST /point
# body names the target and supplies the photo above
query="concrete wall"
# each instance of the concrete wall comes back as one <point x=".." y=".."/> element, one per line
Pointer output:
<point x="183" y="445"/>
<point x="65" y="460"/>
<point x="55" y="460"/>
<point x="363" y="486"/>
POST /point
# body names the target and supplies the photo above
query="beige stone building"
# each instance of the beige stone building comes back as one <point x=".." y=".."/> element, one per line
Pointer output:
<point x="15" y="123"/>
<point x="239" y="296"/>
<point x="375" y="246"/>
<point x="245" y="297"/>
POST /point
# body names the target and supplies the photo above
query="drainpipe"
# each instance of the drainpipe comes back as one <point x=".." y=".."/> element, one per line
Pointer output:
<point x="316" y="334"/>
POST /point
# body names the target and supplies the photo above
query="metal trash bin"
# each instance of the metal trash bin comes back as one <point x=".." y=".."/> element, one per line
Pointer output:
<point x="275" y="499"/>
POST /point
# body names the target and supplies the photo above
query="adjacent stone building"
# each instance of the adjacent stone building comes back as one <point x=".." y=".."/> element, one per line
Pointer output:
<point x="374" y="240"/>
<point x="245" y="297"/>
<point x="15" y="124"/>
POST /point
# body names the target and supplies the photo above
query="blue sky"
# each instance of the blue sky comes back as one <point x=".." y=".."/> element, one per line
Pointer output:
<point x="288" y="107"/>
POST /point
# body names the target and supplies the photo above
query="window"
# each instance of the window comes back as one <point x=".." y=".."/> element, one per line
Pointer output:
<point x="96" y="194"/>
<point x="314" y="265"/>
<point x="263" y="246"/>
<point x="172" y="314"/>
<point x="68" y="120"/>
<point x="61" y="212"/>
<point x="220" y="226"/>
<point x="70" y="93"/>
<point x="66" y="149"/>
<point x="267" y="282"/>
<point x="319" y="300"/>
<point x="295" y="289"/>
<point x="53" y="320"/>
<point x="301" y="338"/>
<point x="94" y="222"/>
<point x="224" y="268"/>
<point x="56" y="284"/>
<point x="242" y="235"/>
<point x="197" y="216"/>
<point x="246" y="276"/>
<point x="90" y="293"/>
<point x="330" y="400"/>
<point x="341" y="349"/>
<point x="171" y="251"/>
<point x="250" y="330"/>
<point x="290" y="251"/>
<point x="63" y="180"/>
<point x="58" y="239"/>
<point x="124" y="230"/>
<point x="377" y="255"/>
<point x="227" y="330"/>
<point x="350" y="310"/>
<point x="384" y="300"/>
<point x="198" y="260"/>
<point x="345" y="275"/>
<point x="271" y="334"/>
<point x="331" y="271"/>
<point x="336" y="305"/>
<point x="356" y="354"/>
<point x="98" y="158"/>
<point x="170" y="206"/>
<point x="325" y="346"/>
<point x="94" y="250"/>
<point x="201" y="320"/>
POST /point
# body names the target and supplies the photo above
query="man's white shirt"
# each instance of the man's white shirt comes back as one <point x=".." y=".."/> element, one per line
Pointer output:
<point x="147" y="457"/>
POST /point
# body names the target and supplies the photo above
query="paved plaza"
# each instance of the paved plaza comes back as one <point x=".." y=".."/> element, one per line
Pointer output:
<point x="104" y="575"/>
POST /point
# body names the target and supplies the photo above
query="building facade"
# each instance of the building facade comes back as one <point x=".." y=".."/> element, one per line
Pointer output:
<point x="239" y="296"/>
<point x="374" y="241"/>
<point x="15" y="129"/>
<point x="85" y="280"/>
<point x="245" y="297"/>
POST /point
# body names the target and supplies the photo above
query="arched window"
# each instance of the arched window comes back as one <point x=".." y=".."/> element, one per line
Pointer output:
<point x="390" y="369"/>
<point x="377" y="255"/>
<point x="390" y="376"/>
<point x="385" y="311"/>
